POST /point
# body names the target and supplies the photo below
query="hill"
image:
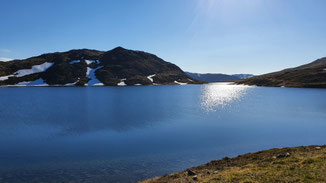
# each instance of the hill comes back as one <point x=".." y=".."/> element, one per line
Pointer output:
<point x="85" y="67"/>
<point x="297" y="164"/>
<point x="312" y="75"/>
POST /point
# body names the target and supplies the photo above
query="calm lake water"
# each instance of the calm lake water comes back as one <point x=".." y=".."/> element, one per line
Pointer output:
<point x="125" y="134"/>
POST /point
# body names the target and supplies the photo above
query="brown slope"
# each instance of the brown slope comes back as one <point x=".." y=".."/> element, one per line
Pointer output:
<point x="312" y="75"/>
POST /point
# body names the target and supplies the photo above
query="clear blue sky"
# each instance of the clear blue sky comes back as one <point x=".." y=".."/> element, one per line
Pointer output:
<point x="225" y="36"/>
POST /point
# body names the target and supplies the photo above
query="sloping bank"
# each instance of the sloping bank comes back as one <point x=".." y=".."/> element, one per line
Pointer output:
<point x="297" y="164"/>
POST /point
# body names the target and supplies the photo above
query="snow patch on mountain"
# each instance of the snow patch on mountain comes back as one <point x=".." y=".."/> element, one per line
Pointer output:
<point x="35" y="69"/>
<point x="6" y="59"/>
<point x="72" y="84"/>
<point x="150" y="77"/>
<point x="2" y="78"/>
<point x="91" y="61"/>
<point x="38" y="82"/>
<point x="98" y="84"/>
<point x="179" y="83"/>
<point x="90" y="73"/>
<point x="122" y="82"/>
<point x="23" y="72"/>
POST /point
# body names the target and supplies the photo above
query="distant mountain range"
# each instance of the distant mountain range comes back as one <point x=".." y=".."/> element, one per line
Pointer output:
<point x="85" y="67"/>
<point x="210" y="77"/>
<point x="312" y="75"/>
<point x="120" y="66"/>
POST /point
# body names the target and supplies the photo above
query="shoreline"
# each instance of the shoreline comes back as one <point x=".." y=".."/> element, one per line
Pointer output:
<point x="290" y="164"/>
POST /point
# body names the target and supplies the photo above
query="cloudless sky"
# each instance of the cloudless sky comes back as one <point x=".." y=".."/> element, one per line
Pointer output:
<point x="219" y="36"/>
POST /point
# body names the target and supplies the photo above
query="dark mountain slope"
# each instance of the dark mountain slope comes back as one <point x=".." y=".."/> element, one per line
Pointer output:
<point x="91" y="67"/>
<point x="312" y="75"/>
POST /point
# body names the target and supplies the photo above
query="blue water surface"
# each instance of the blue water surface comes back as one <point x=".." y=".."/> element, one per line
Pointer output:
<point x="126" y="134"/>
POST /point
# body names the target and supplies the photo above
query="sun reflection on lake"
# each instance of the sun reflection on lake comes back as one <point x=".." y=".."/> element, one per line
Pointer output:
<point x="220" y="95"/>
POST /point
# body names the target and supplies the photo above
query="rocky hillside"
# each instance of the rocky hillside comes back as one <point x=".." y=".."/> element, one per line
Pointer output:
<point x="296" y="164"/>
<point x="312" y="75"/>
<point x="210" y="77"/>
<point x="85" y="67"/>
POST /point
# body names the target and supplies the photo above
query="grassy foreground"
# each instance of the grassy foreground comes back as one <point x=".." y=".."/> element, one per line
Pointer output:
<point x="297" y="164"/>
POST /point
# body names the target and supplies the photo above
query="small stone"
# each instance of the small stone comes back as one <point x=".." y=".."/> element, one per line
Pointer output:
<point x="215" y="172"/>
<point x="318" y="148"/>
<point x="195" y="177"/>
<point x="208" y="172"/>
<point x="190" y="173"/>
<point x="282" y="155"/>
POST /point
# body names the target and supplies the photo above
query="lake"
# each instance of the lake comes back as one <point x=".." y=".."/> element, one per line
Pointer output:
<point x="125" y="134"/>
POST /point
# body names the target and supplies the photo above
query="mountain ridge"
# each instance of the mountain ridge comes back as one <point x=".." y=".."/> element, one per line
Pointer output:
<point x="78" y="67"/>
<point x="311" y="75"/>
<point x="217" y="77"/>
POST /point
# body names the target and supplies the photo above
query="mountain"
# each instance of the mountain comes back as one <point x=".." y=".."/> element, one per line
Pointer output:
<point x="243" y="76"/>
<point x="218" y="77"/>
<point x="312" y="75"/>
<point x="86" y="67"/>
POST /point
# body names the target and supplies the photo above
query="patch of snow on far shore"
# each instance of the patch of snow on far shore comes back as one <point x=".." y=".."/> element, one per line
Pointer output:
<point x="6" y="59"/>
<point x="2" y="78"/>
<point x="179" y="83"/>
<point x="72" y="84"/>
<point x="98" y="84"/>
<point x="150" y="77"/>
<point x="23" y="72"/>
<point x="74" y="62"/>
<point x="91" y="61"/>
<point x="24" y="83"/>
<point x="324" y="69"/>
<point x="122" y="82"/>
<point x="90" y="73"/>
<point x="138" y="84"/>
<point x="35" y="69"/>
<point x="38" y="82"/>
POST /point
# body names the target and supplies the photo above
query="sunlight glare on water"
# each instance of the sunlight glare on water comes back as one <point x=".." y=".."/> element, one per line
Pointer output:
<point x="220" y="95"/>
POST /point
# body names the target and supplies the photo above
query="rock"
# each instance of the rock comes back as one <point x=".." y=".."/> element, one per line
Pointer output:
<point x="190" y="173"/>
<point x="318" y="148"/>
<point x="215" y="172"/>
<point x="195" y="177"/>
<point x="208" y="172"/>
<point x="283" y="155"/>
